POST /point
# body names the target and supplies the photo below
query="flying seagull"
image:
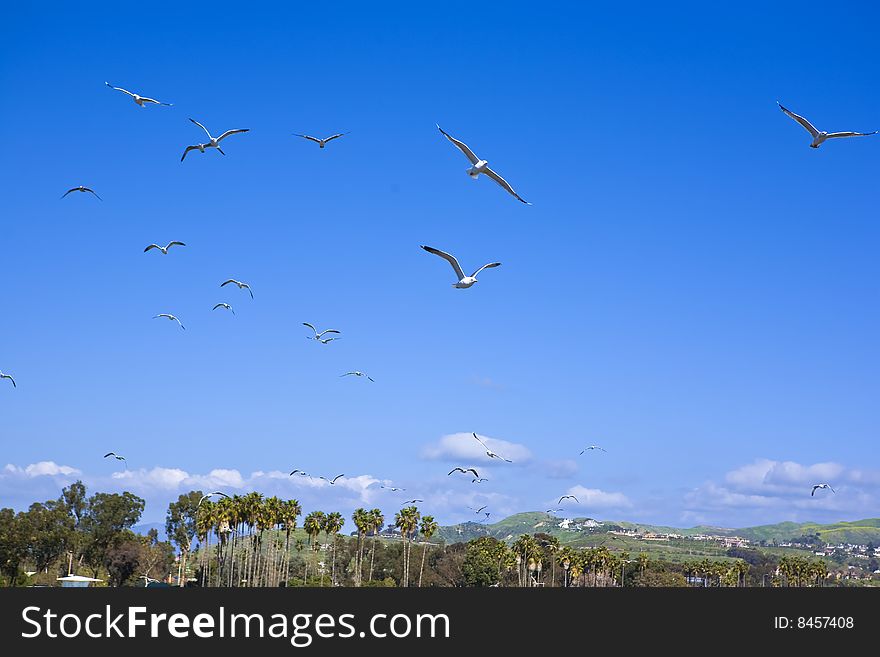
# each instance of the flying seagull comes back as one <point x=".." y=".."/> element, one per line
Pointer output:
<point x="319" y="335"/>
<point x="302" y="473"/>
<point x="478" y="480"/>
<point x="812" y="492"/>
<point x="225" y="306"/>
<point x="464" y="281"/>
<point x="463" y="471"/>
<point x="571" y="497"/>
<point x="80" y="188"/>
<point x="164" y="249"/>
<point x="321" y="142"/>
<point x="393" y="489"/>
<point x="819" y="136"/>
<point x="593" y="447"/>
<point x="241" y="286"/>
<point x="413" y="501"/>
<point x="140" y="100"/>
<point x="332" y="481"/>
<point x="7" y="376"/>
<point x="204" y="497"/>
<point x="489" y="452"/>
<point x="356" y="373"/>
<point x="213" y="143"/>
<point x="487" y="514"/>
<point x="171" y="317"/>
<point x="553" y="510"/>
<point x="478" y="510"/>
<point x="481" y="166"/>
<point x="118" y="458"/>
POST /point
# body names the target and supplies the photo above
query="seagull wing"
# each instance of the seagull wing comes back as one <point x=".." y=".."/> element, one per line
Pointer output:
<point x="219" y="305"/>
<point x="231" y="132"/>
<point x="813" y="492"/>
<point x="481" y="442"/>
<point x="6" y="376"/>
<point x="120" y="89"/>
<point x="311" y="327"/>
<point x="73" y="189"/>
<point x="309" y="137"/>
<point x="460" y="145"/>
<point x="449" y="258"/>
<point x="462" y="470"/>
<point x="228" y="282"/>
<point x="337" y="136"/>
<point x="87" y="189"/>
<point x="170" y="244"/>
<point x="832" y="490"/>
<point x="203" y="128"/>
<point x="109" y="454"/>
<point x="152" y="246"/>
<point x="476" y="474"/>
<point x="833" y="135"/>
<point x="807" y="125"/>
<point x="336" y="477"/>
<point x="187" y="150"/>
<point x="501" y="181"/>
<point x="326" y="331"/>
<point x="154" y="101"/>
<point x="491" y="264"/>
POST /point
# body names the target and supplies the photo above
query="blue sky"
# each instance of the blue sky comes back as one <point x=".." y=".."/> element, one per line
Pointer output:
<point x="694" y="288"/>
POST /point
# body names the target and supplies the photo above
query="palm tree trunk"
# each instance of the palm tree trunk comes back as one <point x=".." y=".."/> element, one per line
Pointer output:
<point x="372" y="555"/>
<point x="422" y="568"/>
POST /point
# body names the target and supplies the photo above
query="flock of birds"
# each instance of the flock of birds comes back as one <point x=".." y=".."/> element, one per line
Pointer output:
<point x="478" y="166"/>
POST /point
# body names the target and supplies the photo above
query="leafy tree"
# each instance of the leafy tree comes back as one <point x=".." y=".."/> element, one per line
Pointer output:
<point x="181" y="527"/>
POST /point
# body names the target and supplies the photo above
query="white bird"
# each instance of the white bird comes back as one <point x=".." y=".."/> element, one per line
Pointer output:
<point x="226" y="306"/>
<point x="464" y="281"/>
<point x="356" y="373"/>
<point x="81" y="188"/>
<point x="8" y="376"/>
<point x="478" y="480"/>
<point x="171" y="317"/>
<point x="463" y="471"/>
<point x="213" y="143"/>
<point x="570" y="497"/>
<point x="164" y="249"/>
<point x="819" y="136"/>
<point x="393" y="489"/>
<point x="812" y="492"/>
<point x="327" y="340"/>
<point x="481" y="166"/>
<point x="140" y="100"/>
<point x="321" y="142"/>
<point x="241" y="286"/>
<point x="593" y="447"/>
<point x="204" y="497"/>
<point x="118" y="458"/>
<point x="489" y="452"/>
<point x="318" y="335"/>
<point x="553" y="510"/>
<point x="332" y="481"/>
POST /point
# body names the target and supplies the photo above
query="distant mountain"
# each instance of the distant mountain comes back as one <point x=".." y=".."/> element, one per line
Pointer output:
<point x="568" y="529"/>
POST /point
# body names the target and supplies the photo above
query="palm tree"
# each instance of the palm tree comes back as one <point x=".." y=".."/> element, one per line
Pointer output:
<point x="333" y="522"/>
<point x="428" y="528"/>
<point x="407" y="520"/>
<point x="565" y="557"/>
<point x="290" y="511"/>
<point x="362" y="520"/>
<point x="314" y="524"/>
<point x="377" y="521"/>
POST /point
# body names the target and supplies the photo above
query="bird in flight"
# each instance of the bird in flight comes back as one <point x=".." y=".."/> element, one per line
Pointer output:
<point x="318" y="336"/>
<point x="356" y="373"/>
<point x="321" y="142"/>
<point x="819" y="136"/>
<point x="478" y="510"/>
<point x="164" y="249"/>
<point x="463" y="471"/>
<point x="302" y="473"/>
<point x="393" y="489"/>
<point x="481" y="166"/>
<point x="225" y="306"/>
<point x="413" y="501"/>
<point x="569" y="497"/>
<point x="140" y="100"/>
<point x="464" y="281"/>
<point x="812" y="492"/>
<point x="593" y="447"/>
<point x="204" y="497"/>
<point x="81" y="188"/>
<point x="332" y="481"/>
<point x="478" y="480"/>
<point x="553" y="510"/>
<point x="7" y="376"/>
<point x="213" y="142"/>
<point x="241" y="286"/>
<point x="171" y="317"/>
<point x="489" y="452"/>
<point x="118" y="458"/>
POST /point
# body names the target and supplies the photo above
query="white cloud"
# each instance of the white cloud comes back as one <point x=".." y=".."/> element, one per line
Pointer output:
<point x="594" y="499"/>
<point x="463" y="447"/>
<point x="40" y="469"/>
